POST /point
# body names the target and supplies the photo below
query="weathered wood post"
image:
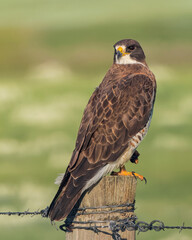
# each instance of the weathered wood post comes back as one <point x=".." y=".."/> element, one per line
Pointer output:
<point x="110" y="191"/>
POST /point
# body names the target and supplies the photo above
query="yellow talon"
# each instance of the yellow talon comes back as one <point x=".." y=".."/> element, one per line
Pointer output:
<point x="123" y="172"/>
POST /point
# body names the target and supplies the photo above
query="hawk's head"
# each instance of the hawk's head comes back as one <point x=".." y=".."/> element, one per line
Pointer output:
<point x="128" y="51"/>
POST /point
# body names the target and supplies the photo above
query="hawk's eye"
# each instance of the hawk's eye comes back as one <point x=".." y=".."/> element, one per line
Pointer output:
<point x="130" y="48"/>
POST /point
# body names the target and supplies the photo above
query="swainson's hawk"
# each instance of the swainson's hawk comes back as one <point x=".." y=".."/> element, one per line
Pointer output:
<point x="115" y="121"/>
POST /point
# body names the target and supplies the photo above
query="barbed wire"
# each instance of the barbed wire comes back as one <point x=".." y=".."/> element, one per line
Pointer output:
<point x="108" y="227"/>
<point x="129" y="224"/>
<point x="42" y="212"/>
<point x="121" y="208"/>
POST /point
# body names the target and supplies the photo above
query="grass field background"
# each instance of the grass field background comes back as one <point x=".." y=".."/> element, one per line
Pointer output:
<point x="52" y="56"/>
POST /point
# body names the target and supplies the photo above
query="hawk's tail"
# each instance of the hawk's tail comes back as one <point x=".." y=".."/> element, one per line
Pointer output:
<point x="72" y="187"/>
<point x="64" y="200"/>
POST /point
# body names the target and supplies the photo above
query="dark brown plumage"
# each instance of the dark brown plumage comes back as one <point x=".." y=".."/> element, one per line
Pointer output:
<point x="119" y="110"/>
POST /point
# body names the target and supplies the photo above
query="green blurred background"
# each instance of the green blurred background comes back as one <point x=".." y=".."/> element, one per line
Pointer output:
<point x="52" y="56"/>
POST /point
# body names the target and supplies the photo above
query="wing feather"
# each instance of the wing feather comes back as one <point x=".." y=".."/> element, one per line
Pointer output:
<point x="115" y="113"/>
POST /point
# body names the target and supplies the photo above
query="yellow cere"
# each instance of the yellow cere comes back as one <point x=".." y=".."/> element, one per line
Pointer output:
<point x="120" y="49"/>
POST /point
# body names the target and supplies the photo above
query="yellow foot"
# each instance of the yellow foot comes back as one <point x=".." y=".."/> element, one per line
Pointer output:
<point x="123" y="172"/>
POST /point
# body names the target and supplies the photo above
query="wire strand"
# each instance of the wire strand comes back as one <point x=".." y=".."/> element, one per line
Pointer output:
<point x="113" y="228"/>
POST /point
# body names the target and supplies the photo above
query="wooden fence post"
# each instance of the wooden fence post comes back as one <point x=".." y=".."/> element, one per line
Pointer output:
<point x="111" y="190"/>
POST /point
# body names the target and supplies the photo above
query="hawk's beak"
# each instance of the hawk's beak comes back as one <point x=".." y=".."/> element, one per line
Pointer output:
<point x="120" y="52"/>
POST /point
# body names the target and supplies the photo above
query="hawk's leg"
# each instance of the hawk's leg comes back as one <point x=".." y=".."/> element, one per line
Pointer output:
<point x="134" y="158"/>
<point x="123" y="172"/>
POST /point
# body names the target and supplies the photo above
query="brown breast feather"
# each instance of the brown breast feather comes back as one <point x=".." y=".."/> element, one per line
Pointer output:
<point x="118" y="109"/>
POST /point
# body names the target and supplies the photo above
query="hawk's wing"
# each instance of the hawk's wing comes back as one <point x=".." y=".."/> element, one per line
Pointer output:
<point x="114" y="114"/>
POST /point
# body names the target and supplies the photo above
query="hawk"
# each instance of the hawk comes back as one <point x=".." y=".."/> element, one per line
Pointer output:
<point x="114" y="122"/>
